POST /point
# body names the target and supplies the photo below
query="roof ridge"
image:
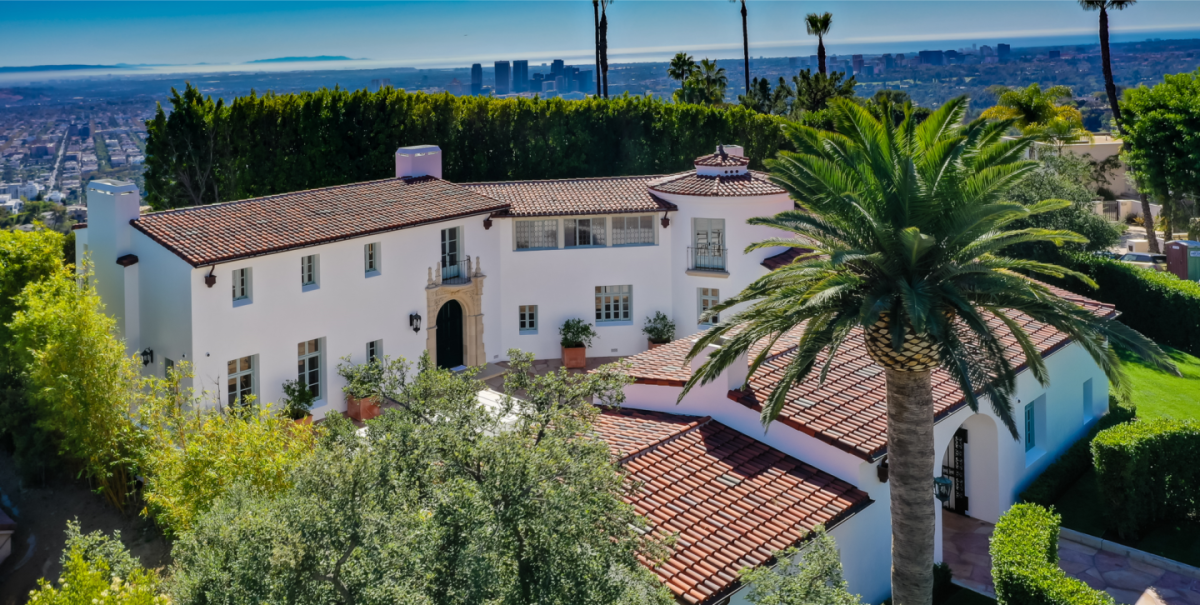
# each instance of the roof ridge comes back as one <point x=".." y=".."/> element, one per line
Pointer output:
<point x="691" y="426"/>
<point x="564" y="180"/>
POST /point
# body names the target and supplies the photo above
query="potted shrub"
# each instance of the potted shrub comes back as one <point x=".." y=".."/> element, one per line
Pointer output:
<point x="297" y="401"/>
<point x="576" y="336"/>
<point x="364" y="388"/>
<point x="659" y="329"/>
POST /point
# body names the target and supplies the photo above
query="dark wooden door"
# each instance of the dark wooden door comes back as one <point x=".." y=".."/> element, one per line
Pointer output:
<point x="955" y="468"/>
<point x="450" y="335"/>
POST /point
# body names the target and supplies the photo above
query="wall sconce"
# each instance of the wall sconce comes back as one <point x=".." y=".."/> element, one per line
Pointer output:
<point x="147" y="357"/>
<point x="210" y="280"/>
<point x="666" y="222"/>
<point x="414" y="322"/>
<point x="881" y="471"/>
<point x="941" y="488"/>
<point x="487" y="223"/>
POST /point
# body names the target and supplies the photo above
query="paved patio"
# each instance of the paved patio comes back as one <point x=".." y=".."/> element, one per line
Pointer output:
<point x="965" y="550"/>
<point x="493" y="374"/>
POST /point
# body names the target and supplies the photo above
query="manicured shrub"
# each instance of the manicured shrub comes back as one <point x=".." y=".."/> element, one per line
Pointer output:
<point x="1077" y="460"/>
<point x="1148" y="472"/>
<point x="1025" y="562"/>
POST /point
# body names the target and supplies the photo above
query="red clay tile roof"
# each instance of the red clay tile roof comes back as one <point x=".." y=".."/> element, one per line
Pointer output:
<point x="608" y="195"/>
<point x="849" y="410"/>
<point x="739" y="185"/>
<point x="733" y="501"/>
<point x="722" y="160"/>
<point x="221" y="232"/>
<point x="784" y="258"/>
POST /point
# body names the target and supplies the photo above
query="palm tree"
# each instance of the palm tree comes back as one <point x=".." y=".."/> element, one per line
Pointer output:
<point x="596" y="16"/>
<point x="1033" y="107"/>
<point x="818" y="25"/>
<point x="604" y="43"/>
<point x="682" y="65"/>
<point x="1109" y="86"/>
<point x="745" y="44"/>
<point x="714" y="80"/>
<point x="908" y="222"/>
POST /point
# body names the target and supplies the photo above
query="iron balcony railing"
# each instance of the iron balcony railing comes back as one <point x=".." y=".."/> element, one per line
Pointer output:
<point x="707" y="258"/>
<point x="457" y="273"/>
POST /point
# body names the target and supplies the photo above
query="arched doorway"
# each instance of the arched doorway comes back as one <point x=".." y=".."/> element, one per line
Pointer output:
<point x="970" y="461"/>
<point x="450" y="335"/>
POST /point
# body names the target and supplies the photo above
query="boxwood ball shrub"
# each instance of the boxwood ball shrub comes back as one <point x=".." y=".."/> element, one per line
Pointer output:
<point x="1025" y="562"/>
<point x="1148" y="472"/>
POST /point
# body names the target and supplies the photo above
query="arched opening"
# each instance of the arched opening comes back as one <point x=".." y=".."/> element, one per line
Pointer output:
<point x="971" y="461"/>
<point x="449" y="329"/>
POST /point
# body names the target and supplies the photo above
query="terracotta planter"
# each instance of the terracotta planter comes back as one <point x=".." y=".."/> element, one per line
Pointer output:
<point x="361" y="409"/>
<point x="654" y="345"/>
<point x="574" y="357"/>
<point x="307" y="419"/>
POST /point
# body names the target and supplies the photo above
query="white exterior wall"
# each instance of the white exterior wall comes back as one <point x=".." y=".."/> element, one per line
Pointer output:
<point x="165" y="302"/>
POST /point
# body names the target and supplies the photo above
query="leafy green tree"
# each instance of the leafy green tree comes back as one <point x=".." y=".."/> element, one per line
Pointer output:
<point x="819" y="25"/>
<point x="810" y="575"/>
<point x="1110" y="88"/>
<point x="98" y="570"/>
<point x="908" y="222"/>
<point x="1060" y="177"/>
<point x="188" y="159"/>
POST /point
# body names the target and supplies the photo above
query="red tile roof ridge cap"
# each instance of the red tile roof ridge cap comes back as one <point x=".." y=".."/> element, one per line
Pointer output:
<point x="686" y="429"/>
<point x="564" y="180"/>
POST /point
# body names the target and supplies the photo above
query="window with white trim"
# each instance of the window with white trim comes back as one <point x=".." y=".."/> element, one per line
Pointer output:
<point x="614" y="303"/>
<point x="632" y="230"/>
<point x="308" y="270"/>
<point x="583" y="232"/>
<point x="308" y="365"/>
<point x="374" y="350"/>
<point x="539" y="234"/>
<point x="706" y="299"/>
<point x="241" y="284"/>
<point x="240" y="384"/>
<point x="528" y="318"/>
<point x="371" y="258"/>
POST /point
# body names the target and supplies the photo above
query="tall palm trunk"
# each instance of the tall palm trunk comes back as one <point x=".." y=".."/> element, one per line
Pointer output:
<point x="746" y="46"/>
<point x="1148" y="219"/>
<point x="596" y="14"/>
<point x="821" y="54"/>
<point x="1106" y="60"/>
<point x="910" y="472"/>
<point x="604" y="49"/>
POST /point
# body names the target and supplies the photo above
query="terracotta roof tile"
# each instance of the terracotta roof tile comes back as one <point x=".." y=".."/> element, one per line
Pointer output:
<point x="608" y="195"/>
<point x="221" y="232"/>
<point x="741" y="185"/>
<point x="719" y="159"/>
<point x="849" y="410"/>
<point x="732" y="499"/>
<point x="784" y="258"/>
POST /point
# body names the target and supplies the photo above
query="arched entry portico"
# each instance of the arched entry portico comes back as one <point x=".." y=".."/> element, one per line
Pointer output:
<point x="971" y="461"/>
<point x="450" y="335"/>
<point x="461" y="323"/>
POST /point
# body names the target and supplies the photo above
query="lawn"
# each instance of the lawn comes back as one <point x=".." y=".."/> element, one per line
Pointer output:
<point x="1157" y="394"/>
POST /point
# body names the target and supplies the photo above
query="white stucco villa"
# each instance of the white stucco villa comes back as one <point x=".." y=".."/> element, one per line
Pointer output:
<point x="260" y="291"/>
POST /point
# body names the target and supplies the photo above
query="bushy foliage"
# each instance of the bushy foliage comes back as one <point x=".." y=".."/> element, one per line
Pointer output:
<point x="206" y="151"/>
<point x="809" y="575"/>
<point x="576" y="333"/>
<point x="1062" y="177"/>
<point x="808" y="92"/>
<point x="97" y="570"/>
<point x="1148" y="473"/>
<point x="1025" y="568"/>
<point x="1077" y="460"/>
<point x="660" y="328"/>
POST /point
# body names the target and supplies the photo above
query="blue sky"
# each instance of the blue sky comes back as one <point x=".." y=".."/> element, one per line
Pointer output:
<point x="454" y="33"/>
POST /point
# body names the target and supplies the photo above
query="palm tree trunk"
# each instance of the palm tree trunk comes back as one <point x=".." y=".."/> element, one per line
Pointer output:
<point x="910" y="471"/>
<point x="821" y="54"/>
<point x="1106" y="60"/>
<point x="746" y="46"/>
<point x="596" y="14"/>
<point x="604" y="49"/>
<point x="1148" y="220"/>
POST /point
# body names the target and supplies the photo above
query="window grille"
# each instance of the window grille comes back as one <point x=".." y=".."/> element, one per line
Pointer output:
<point x="534" y="235"/>
<point x="371" y="258"/>
<point x="241" y="284"/>
<point x="528" y="318"/>
<point x="241" y="379"/>
<point x="632" y="230"/>
<point x="709" y="297"/>
<point x="308" y="365"/>
<point x="583" y="232"/>
<point x="614" y="303"/>
<point x="308" y="270"/>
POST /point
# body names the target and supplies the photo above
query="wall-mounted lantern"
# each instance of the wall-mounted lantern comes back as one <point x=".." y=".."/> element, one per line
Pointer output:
<point x="210" y="280"/>
<point x="147" y="357"/>
<point x="487" y="223"/>
<point x="941" y="488"/>
<point x="666" y="222"/>
<point x="414" y="322"/>
<point x="881" y="471"/>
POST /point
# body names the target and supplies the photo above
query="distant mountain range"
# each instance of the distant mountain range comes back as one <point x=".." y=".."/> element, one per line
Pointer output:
<point x="297" y="59"/>
<point x="56" y="68"/>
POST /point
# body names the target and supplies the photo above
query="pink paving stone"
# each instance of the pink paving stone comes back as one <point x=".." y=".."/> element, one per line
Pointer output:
<point x="1128" y="579"/>
<point x="974" y="543"/>
<point x="1075" y="556"/>
<point x="1128" y="597"/>
<point x="1106" y="561"/>
<point x="1174" y="581"/>
<point x="1097" y="583"/>
<point x="1073" y="567"/>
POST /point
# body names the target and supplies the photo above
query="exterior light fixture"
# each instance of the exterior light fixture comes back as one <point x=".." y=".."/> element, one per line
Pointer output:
<point x="666" y="222"/>
<point x="147" y="356"/>
<point x="941" y="488"/>
<point x="414" y="322"/>
<point x="487" y="223"/>
<point x="210" y="280"/>
<point x="881" y="471"/>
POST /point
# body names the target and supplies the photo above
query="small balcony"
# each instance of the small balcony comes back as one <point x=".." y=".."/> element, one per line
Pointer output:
<point x="707" y="259"/>
<point x="455" y="274"/>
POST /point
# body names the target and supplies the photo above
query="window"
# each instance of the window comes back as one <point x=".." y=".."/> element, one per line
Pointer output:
<point x="168" y="366"/>
<point x="241" y="379"/>
<point x="371" y="258"/>
<point x="308" y="270"/>
<point x="1030" y="426"/>
<point x="528" y="318"/>
<point x="452" y="253"/>
<point x="583" y="232"/>
<point x="708" y="244"/>
<point x="614" y="303"/>
<point x="308" y="365"/>
<point x="537" y="235"/>
<point x="708" y="298"/>
<point x="374" y="350"/>
<point x="241" y="284"/>
<point x="1088" y="412"/>
<point x="632" y="230"/>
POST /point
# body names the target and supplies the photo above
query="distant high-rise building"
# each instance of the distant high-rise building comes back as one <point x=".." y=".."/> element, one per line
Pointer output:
<point x="793" y="62"/>
<point x="476" y="80"/>
<point x="1055" y="54"/>
<point x="857" y="63"/>
<point x="951" y="56"/>
<point x="560" y="84"/>
<point x="932" y="57"/>
<point x="1002" y="51"/>
<point x="813" y="60"/>
<point x="520" y="76"/>
<point x="986" y="51"/>
<point x="556" y="69"/>
<point x="889" y="62"/>
<point x="586" y="84"/>
<point x="503" y="77"/>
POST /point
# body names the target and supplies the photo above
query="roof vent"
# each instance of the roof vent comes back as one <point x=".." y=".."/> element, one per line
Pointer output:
<point x="728" y="160"/>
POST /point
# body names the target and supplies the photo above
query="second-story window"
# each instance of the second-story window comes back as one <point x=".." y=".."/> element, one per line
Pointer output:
<point x="241" y="379"/>
<point x="528" y="318"/>
<point x="708" y="244"/>
<point x="308" y="270"/>
<point x="708" y="298"/>
<point x="537" y="234"/>
<point x="632" y="230"/>
<point x="371" y="258"/>
<point x="452" y="253"/>
<point x="614" y="303"/>
<point x="583" y="232"/>
<point x="241" y="284"/>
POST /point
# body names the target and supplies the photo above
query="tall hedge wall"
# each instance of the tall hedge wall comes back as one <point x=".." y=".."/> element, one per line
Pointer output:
<point x="1148" y="472"/>
<point x="1025" y="567"/>
<point x="206" y="150"/>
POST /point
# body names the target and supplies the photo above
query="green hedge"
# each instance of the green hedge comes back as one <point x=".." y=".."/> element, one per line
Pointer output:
<point x="1148" y="472"/>
<point x="1077" y="460"/>
<point x="1025" y="562"/>
<point x="1155" y="303"/>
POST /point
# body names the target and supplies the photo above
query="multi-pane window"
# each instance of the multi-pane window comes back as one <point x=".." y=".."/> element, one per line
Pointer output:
<point x="708" y="298"/>
<point x="452" y="253"/>
<point x="1030" y="426"/>
<point x="241" y="379"/>
<point x="583" y="232"/>
<point x="538" y="234"/>
<point x="614" y="303"/>
<point x="1087" y="400"/>
<point x="308" y="270"/>
<point x="308" y="365"/>
<point x="371" y="258"/>
<point x="374" y="350"/>
<point x="632" y="230"/>
<point x="168" y="366"/>
<point x="241" y="284"/>
<point x="709" y="233"/>
<point x="528" y="321"/>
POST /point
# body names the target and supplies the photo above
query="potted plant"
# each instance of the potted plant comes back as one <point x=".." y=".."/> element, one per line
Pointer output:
<point x="364" y="388"/>
<point x="297" y="401"/>
<point x="659" y="329"/>
<point x="576" y="336"/>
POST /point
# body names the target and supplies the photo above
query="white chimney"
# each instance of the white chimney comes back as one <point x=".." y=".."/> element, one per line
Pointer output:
<point x="109" y="238"/>
<point x="737" y="150"/>
<point x="735" y="376"/>
<point x="419" y="160"/>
